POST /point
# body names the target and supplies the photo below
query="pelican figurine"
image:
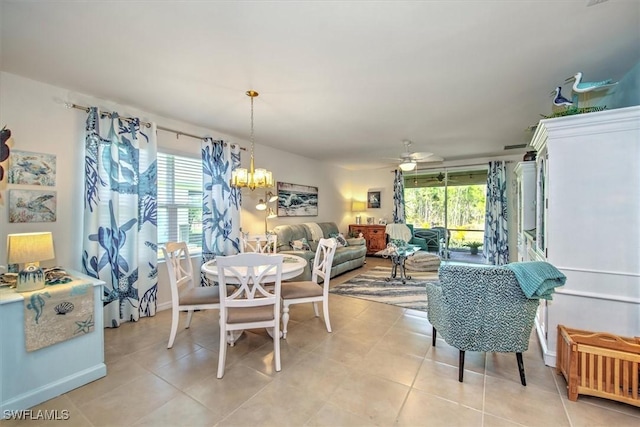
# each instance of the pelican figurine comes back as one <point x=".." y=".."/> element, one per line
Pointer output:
<point x="582" y="87"/>
<point x="559" y="100"/>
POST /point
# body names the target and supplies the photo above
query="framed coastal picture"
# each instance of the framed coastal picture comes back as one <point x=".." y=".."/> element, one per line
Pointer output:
<point x="373" y="200"/>
<point x="32" y="168"/>
<point x="297" y="200"/>
<point x="32" y="206"/>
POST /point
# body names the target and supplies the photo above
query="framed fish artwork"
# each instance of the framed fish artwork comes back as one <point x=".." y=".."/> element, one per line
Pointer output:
<point x="32" y="168"/>
<point x="32" y="206"/>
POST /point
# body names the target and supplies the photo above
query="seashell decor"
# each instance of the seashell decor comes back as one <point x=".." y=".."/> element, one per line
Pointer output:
<point x="64" y="308"/>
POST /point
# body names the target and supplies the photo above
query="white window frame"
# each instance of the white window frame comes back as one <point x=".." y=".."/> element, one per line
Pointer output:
<point x="169" y="198"/>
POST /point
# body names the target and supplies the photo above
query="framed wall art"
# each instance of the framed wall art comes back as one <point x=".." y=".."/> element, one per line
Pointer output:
<point x="297" y="200"/>
<point x="373" y="200"/>
<point x="32" y="206"/>
<point x="32" y="168"/>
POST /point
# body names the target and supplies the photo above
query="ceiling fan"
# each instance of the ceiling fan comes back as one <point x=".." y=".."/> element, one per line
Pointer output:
<point x="409" y="160"/>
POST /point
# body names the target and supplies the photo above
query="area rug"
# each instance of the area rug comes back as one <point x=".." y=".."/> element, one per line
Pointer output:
<point x="372" y="286"/>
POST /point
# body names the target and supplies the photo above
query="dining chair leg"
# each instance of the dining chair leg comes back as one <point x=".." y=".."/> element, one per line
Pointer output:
<point x="433" y="336"/>
<point x="175" y="319"/>
<point x="461" y="366"/>
<point x="325" y="311"/>
<point x="189" y="316"/>
<point x="223" y="351"/>
<point x="521" y="368"/>
<point x="276" y="346"/>
<point x="285" y="319"/>
<point x="315" y="309"/>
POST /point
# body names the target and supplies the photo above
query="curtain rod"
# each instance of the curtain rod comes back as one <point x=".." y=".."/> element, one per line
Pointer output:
<point x="145" y="124"/>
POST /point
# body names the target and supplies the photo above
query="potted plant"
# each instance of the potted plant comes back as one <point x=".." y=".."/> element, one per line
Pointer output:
<point x="473" y="247"/>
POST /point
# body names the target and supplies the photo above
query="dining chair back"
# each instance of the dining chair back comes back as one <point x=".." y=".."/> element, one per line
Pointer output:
<point x="185" y="295"/>
<point x="311" y="290"/>
<point x="260" y="243"/>
<point x="255" y="301"/>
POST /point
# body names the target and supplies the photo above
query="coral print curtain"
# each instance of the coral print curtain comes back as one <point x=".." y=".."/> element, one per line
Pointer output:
<point x="496" y="248"/>
<point x="220" y="202"/>
<point x="120" y="208"/>
<point x="398" y="198"/>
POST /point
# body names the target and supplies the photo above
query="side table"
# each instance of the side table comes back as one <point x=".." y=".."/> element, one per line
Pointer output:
<point x="398" y="256"/>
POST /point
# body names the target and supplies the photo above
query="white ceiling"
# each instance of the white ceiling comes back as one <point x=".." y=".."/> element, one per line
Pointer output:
<point x="345" y="82"/>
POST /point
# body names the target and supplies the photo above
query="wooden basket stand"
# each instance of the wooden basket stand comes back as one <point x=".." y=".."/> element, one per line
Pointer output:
<point x="599" y="364"/>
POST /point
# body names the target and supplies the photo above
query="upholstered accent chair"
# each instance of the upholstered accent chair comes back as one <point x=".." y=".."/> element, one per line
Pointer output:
<point x="429" y="238"/>
<point x="481" y="308"/>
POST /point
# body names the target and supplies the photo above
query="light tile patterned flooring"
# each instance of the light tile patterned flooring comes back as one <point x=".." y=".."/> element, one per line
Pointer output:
<point x="377" y="368"/>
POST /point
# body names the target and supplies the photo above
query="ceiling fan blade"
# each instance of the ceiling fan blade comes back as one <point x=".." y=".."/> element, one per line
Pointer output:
<point x="421" y="155"/>
<point x="430" y="159"/>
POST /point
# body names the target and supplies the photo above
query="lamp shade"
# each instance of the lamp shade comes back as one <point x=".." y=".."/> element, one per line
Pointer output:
<point x="271" y="197"/>
<point x="358" y="206"/>
<point x="261" y="206"/>
<point x="29" y="247"/>
<point x="408" y="165"/>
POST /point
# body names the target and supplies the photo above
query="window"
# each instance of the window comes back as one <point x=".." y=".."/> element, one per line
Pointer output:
<point x="180" y="200"/>
<point x="451" y="199"/>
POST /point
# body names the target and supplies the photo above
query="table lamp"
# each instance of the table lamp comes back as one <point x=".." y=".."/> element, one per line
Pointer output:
<point x="29" y="249"/>
<point x="358" y="206"/>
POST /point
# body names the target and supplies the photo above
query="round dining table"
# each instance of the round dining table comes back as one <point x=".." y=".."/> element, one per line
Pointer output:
<point x="292" y="266"/>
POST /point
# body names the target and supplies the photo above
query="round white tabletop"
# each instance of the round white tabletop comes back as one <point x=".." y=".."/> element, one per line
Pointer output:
<point x="292" y="266"/>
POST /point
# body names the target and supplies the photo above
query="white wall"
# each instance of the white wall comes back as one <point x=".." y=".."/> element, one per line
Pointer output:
<point x="39" y="122"/>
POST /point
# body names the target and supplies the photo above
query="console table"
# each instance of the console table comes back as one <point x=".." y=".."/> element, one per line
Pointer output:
<point x="30" y="378"/>
<point x="373" y="234"/>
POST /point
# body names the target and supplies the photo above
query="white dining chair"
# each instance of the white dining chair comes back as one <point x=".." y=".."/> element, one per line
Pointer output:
<point x="259" y="243"/>
<point x="311" y="290"/>
<point x="185" y="295"/>
<point x="255" y="301"/>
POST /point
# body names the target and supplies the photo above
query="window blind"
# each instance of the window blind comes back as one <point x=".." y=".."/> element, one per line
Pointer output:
<point x="179" y="200"/>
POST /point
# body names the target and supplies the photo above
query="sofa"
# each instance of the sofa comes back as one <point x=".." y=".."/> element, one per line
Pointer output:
<point x="345" y="259"/>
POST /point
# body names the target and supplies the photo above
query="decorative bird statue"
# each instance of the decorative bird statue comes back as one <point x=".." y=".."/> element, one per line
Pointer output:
<point x="582" y="87"/>
<point x="559" y="100"/>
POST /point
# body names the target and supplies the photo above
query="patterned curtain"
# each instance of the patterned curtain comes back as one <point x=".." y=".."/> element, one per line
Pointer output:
<point x="220" y="202"/>
<point x="398" y="198"/>
<point x="496" y="247"/>
<point x="120" y="211"/>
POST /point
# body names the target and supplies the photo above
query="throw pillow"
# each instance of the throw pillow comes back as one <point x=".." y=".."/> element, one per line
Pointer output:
<point x="300" y="245"/>
<point x="341" y="240"/>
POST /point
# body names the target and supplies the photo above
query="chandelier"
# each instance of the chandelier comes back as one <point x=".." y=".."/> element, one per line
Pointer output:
<point x="252" y="178"/>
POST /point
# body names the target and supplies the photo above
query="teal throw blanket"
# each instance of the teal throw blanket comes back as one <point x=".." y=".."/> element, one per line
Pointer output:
<point x="537" y="279"/>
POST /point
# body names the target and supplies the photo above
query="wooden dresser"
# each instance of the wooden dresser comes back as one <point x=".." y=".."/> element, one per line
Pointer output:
<point x="373" y="234"/>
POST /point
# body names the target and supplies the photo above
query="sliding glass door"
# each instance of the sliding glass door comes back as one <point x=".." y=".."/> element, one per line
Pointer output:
<point x="453" y="199"/>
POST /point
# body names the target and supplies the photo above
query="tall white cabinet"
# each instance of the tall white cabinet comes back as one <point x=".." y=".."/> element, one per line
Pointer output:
<point x="587" y="222"/>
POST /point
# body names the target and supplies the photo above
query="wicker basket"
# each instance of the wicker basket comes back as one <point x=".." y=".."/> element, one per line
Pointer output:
<point x="599" y="364"/>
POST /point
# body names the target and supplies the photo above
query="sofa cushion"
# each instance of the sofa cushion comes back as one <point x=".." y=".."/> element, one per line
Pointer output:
<point x="289" y="233"/>
<point x="348" y="253"/>
<point x="328" y="228"/>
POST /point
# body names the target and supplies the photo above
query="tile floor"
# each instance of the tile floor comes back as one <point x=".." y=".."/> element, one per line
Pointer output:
<point x="377" y="368"/>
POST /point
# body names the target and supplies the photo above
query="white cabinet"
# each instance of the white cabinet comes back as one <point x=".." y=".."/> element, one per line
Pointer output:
<point x="30" y="378"/>
<point x="588" y="222"/>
